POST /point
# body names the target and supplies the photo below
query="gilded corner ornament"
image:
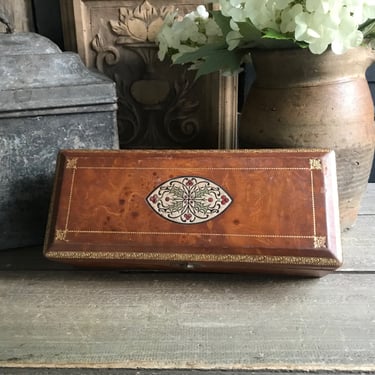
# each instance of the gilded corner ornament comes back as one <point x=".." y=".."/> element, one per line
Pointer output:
<point x="320" y="242"/>
<point x="60" y="234"/>
<point x="71" y="163"/>
<point x="315" y="164"/>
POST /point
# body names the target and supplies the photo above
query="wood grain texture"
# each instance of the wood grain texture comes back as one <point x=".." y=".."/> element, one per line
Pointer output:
<point x="187" y="321"/>
<point x="359" y="245"/>
<point x="368" y="201"/>
<point x="109" y="371"/>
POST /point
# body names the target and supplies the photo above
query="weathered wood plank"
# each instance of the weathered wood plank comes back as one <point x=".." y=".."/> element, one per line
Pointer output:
<point x="359" y="245"/>
<point x="368" y="202"/>
<point x="59" y="371"/>
<point x="103" y="371"/>
<point x="181" y="321"/>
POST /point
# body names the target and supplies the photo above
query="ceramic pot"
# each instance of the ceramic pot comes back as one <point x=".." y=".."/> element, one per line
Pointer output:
<point x="301" y="100"/>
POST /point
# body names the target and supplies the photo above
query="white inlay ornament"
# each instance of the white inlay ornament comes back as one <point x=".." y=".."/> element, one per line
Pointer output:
<point x="189" y="200"/>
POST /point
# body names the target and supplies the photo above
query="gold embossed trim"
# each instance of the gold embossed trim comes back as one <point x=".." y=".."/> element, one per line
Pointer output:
<point x="71" y="163"/>
<point x="315" y="164"/>
<point x="142" y="233"/>
<point x="205" y="151"/>
<point x="209" y="258"/>
<point x="320" y="242"/>
<point x="234" y="169"/>
<point x="60" y="235"/>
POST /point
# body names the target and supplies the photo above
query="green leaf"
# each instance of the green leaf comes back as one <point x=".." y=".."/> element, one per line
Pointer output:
<point x="249" y="32"/>
<point x="176" y="207"/>
<point x="200" y="207"/>
<point x="274" y="39"/>
<point x="273" y="34"/>
<point x="200" y="53"/>
<point x="201" y="192"/>
<point x="178" y="192"/>
<point x="220" y="60"/>
<point x="368" y="29"/>
<point x="222" y="21"/>
<point x="212" y="58"/>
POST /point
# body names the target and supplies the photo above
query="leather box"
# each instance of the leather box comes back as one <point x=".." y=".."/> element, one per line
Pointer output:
<point x="223" y="211"/>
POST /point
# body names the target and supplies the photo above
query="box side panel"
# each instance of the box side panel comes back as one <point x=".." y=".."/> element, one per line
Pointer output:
<point x="332" y="207"/>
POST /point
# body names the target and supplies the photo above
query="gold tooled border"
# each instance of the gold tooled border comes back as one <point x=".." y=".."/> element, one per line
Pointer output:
<point x="186" y="257"/>
<point x="51" y="204"/>
<point x="314" y="164"/>
<point x="207" y="151"/>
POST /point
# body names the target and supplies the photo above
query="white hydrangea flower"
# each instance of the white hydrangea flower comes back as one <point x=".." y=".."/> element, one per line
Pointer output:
<point x="347" y="35"/>
<point x="282" y="4"/>
<point x="315" y="5"/>
<point x="319" y="24"/>
<point x="262" y="14"/>
<point x="212" y="29"/>
<point x="167" y="39"/>
<point x="187" y="34"/>
<point x="232" y="9"/>
<point x="233" y="39"/>
<point x="200" y="12"/>
<point x="288" y="16"/>
<point x="369" y="9"/>
<point x="328" y="22"/>
<point x="186" y="29"/>
<point x="233" y="25"/>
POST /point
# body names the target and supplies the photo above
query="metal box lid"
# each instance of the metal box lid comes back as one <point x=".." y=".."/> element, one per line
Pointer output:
<point x="36" y="75"/>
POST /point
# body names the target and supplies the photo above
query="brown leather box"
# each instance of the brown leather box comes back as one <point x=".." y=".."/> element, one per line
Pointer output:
<point x="224" y="211"/>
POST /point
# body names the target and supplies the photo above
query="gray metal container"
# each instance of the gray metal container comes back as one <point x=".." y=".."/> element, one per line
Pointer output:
<point x="48" y="101"/>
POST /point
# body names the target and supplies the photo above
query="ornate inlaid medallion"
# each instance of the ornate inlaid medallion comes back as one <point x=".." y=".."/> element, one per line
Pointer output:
<point x="189" y="200"/>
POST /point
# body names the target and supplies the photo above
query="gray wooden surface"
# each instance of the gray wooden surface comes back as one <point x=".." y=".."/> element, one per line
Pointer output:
<point x="60" y="320"/>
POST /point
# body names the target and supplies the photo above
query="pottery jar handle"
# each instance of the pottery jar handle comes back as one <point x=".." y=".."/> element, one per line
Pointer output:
<point x="9" y="27"/>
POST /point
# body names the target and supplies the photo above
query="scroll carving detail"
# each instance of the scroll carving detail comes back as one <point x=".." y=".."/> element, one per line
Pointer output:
<point x="160" y="104"/>
<point x="105" y="54"/>
<point x="155" y="110"/>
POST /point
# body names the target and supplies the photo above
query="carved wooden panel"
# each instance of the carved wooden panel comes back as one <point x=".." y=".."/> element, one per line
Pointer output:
<point x="19" y="14"/>
<point x="160" y="105"/>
